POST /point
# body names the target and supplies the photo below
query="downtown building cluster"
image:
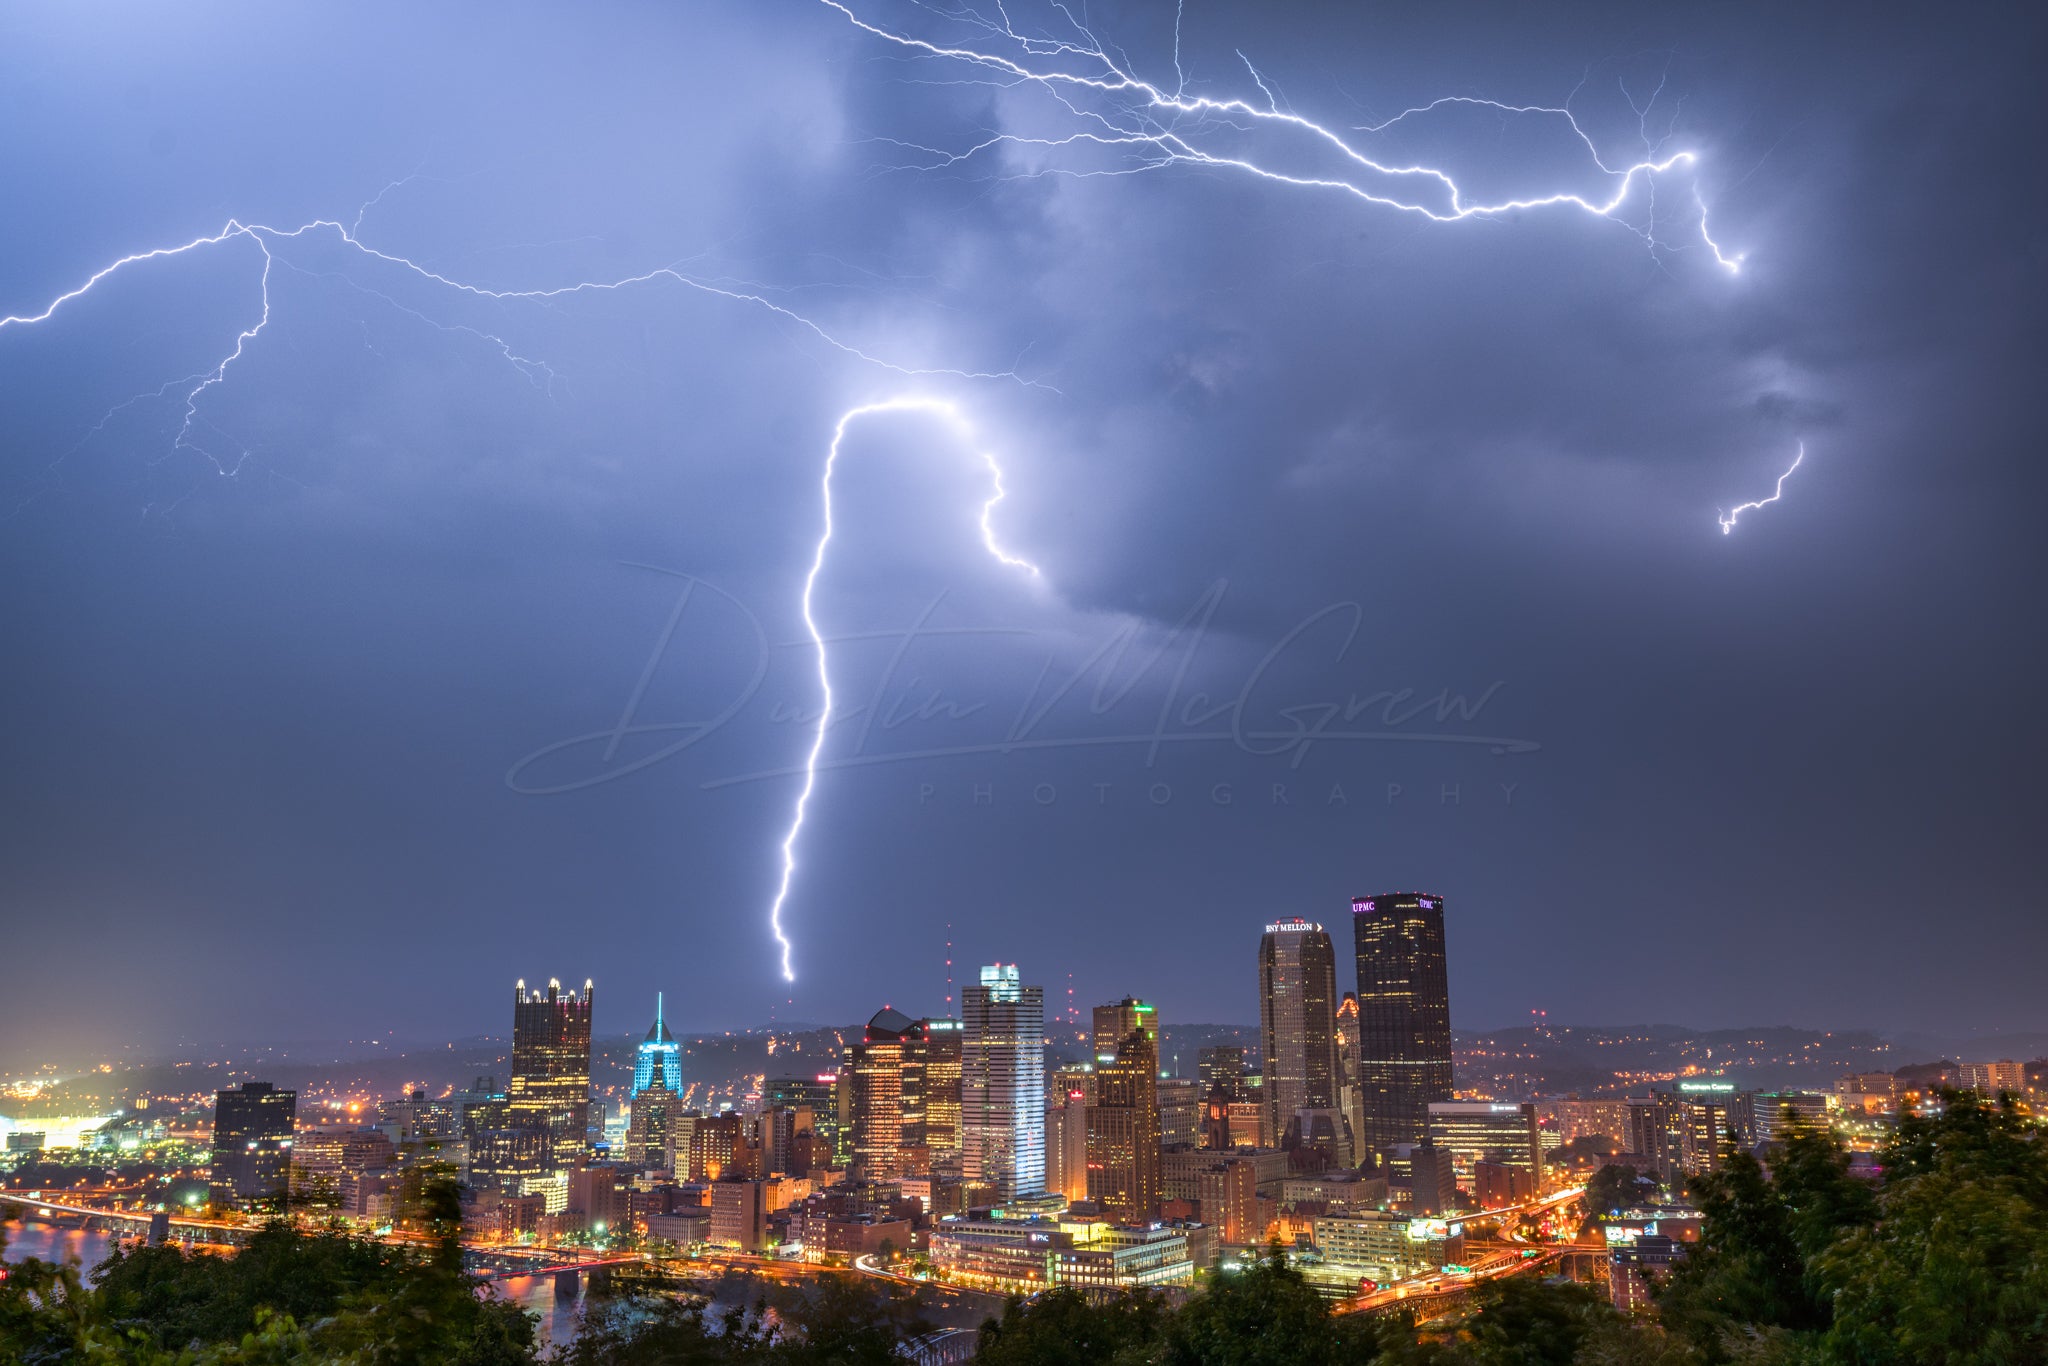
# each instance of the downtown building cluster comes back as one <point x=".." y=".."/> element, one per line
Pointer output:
<point x="951" y="1140"/>
<point x="974" y="1149"/>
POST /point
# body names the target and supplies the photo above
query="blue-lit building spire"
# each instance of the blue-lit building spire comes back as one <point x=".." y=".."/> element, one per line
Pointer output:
<point x="661" y="1057"/>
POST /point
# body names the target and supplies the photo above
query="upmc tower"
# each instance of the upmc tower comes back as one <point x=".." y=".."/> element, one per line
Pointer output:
<point x="1404" y="1014"/>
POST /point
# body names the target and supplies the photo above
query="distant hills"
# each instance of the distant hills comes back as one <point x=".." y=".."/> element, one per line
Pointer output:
<point x="723" y="1066"/>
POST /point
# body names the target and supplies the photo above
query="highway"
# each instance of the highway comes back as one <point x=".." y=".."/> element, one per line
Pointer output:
<point x="1509" y="1260"/>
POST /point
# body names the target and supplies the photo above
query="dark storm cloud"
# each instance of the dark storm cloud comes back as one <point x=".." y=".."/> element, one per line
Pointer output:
<point x="261" y="726"/>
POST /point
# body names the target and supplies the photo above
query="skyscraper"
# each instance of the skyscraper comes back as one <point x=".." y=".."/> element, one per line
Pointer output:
<point x="1124" y="1168"/>
<point x="252" y="1145"/>
<point x="1222" y="1064"/>
<point x="906" y="1095"/>
<point x="1115" y="1021"/>
<point x="941" y="1047"/>
<point x="888" y="1097"/>
<point x="1066" y="1143"/>
<point x="550" y="1088"/>
<point x="1404" y="1015"/>
<point x="1347" y="1068"/>
<point x="815" y="1095"/>
<point x="1002" y="1083"/>
<point x="1297" y="1021"/>
<point x="647" y="1129"/>
<point x="660" y="1058"/>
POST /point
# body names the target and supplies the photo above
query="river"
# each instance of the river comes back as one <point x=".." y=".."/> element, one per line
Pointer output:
<point x="52" y="1243"/>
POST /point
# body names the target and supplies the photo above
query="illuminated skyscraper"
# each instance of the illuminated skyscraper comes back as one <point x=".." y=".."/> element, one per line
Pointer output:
<point x="1066" y="1143"/>
<point x="1124" y="1169"/>
<point x="647" y="1129"/>
<point x="1002" y="1083"/>
<point x="1404" y="1015"/>
<point x="660" y="1058"/>
<point x="888" y="1097"/>
<point x="941" y="1047"/>
<point x="906" y="1095"/>
<point x="1113" y="1022"/>
<point x="550" y="1088"/>
<point x="1297" y="1021"/>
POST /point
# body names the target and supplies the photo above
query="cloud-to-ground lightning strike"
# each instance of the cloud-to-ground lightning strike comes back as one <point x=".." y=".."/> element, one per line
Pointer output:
<point x="1152" y="128"/>
<point x="953" y="417"/>
<point x="1728" y="518"/>
<point x="1109" y="111"/>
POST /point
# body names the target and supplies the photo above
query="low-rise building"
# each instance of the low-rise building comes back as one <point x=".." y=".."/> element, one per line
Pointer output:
<point x="1633" y="1268"/>
<point x="1024" y="1255"/>
<point x="739" y="1215"/>
<point x="1384" y="1247"/>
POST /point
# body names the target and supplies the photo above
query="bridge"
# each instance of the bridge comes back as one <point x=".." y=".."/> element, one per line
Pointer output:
<point x="946" y="1347"/>
<point x="492" y="1263"/>
<point x="1445" y="1292"/>
<point x="126" y="1223"/>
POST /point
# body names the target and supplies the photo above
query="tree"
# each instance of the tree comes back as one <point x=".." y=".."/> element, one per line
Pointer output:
<point x="849" y="1321"/>
<point x="1265" y="1315"/>
<point x="1955" y="1268"/>
<point x="1062" y="1326"/>
<point x="1746" y="1272"/>
<point x="668" y="1331"/>
<point x="1525" y="1322"/>
<point x="1616" y="1188"/>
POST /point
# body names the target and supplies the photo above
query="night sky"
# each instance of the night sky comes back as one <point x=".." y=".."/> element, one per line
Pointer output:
<point x="346" y="740"/>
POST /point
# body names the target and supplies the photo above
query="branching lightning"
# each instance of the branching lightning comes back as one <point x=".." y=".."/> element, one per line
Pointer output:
<point x="1149" y="128"/>
<point x="1728" y="518"/>
<point x="269" y="241"/>
<point x="1107" y="121"/>
<point x="953" y="417"/>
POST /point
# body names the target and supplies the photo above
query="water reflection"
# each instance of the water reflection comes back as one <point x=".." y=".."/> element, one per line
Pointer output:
<point x="53" y="1243"/>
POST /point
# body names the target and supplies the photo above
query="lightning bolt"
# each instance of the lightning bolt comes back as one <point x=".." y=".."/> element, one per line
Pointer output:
<point x="269" y="241"/>
<point x="1150" y="129"/>
<point x="1107" y="110"/>
<point x="1728" y="518"/>
<point x="951" y="413"/>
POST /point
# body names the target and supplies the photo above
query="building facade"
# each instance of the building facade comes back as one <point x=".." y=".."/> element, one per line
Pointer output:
<point x="1115" y="1021"/>
<point x="1002" y="1083"/>
<point x="1222" y="1064"/>
<point x="1349" y="1095"/>
<point x="252" y="1146"/>
<point x="1066" y="1145"/>
<point x="1404" y="1015"/>
<point x="1123" y="1129"/>
<point x="1477" y="1131"/>
<point x="888" y="1097"/>
<point x="550" y="1088"/>
<point x="1297" y="1022"/>
<point x="660" y="1057"/>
